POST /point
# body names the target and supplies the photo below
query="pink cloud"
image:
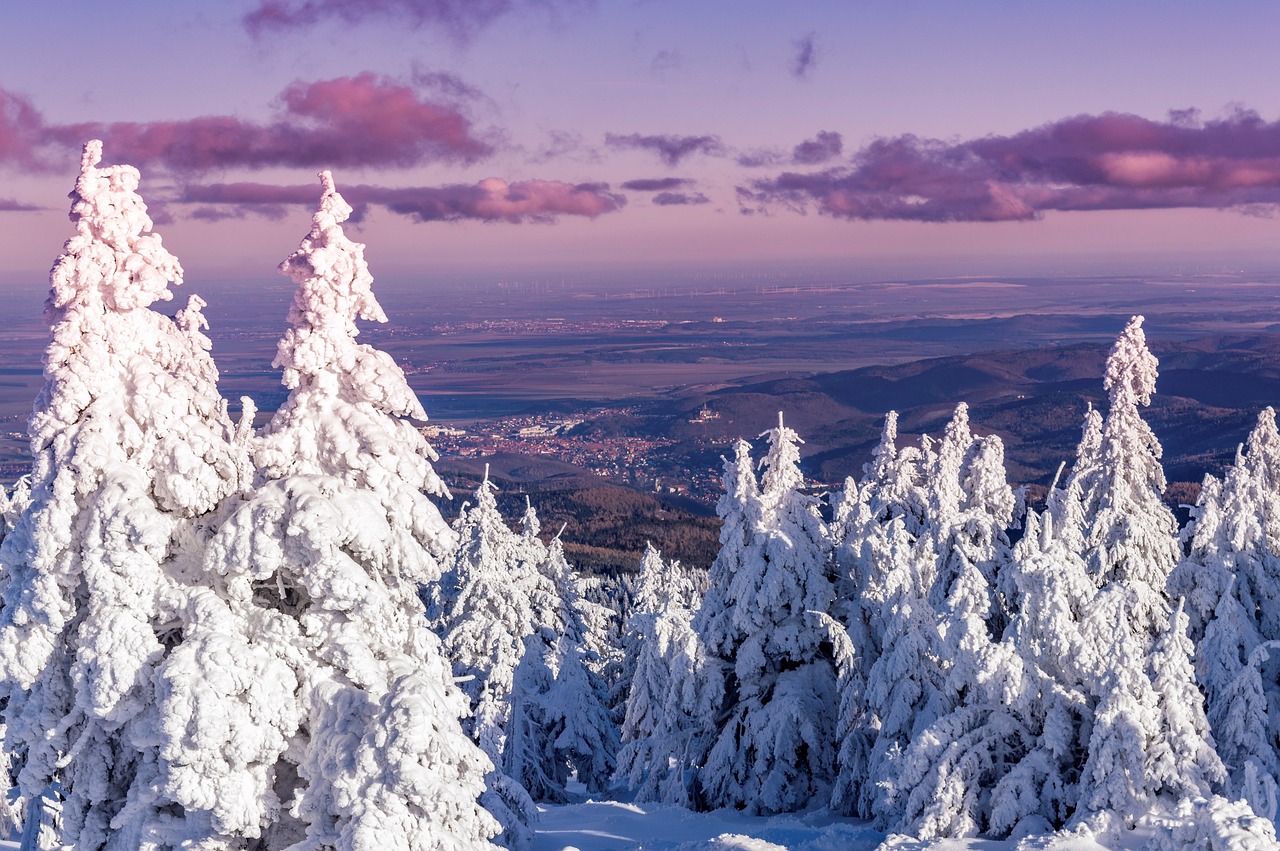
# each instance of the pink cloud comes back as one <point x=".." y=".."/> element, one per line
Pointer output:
<point x="492" y="199"/>
<point x="357" y="121"/>
<point x="827" y="145"/>
<point x="1111" y="161"/>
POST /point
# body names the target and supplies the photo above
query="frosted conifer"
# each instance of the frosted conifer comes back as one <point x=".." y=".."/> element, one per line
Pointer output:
<point x="739" y="510"/>
<point x="1231" y="580"/>
<point x="486" y="624"/>
<point x="667" y="703"/>
<point x="577" y="707"/>
<point x="1131" y="538"/>
<point x="774" y="751"/>
<point x="1183" y="761"/>
<point x="132" y="449"/>
<point x="346" y="732"/>
<point x="1049" y="698"/>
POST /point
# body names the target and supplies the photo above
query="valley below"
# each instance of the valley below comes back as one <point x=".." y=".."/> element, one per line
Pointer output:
<point x="609" y="408"/>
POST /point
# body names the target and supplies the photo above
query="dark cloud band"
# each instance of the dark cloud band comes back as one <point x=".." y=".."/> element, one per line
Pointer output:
<point x="491" y="200"/>
<point x="1112" y="161"/>
<point x="460" y="19"/>
<point x="670" y="149"/>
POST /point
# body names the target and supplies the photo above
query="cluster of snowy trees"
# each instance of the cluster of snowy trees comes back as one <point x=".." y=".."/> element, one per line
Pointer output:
<point x="908" y="663"/>
<point x="211" y="634"/>
<point x="216" y="635"/>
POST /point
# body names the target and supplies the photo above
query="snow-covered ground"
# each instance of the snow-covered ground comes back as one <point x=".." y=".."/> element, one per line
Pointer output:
<point x="612" y="826"/>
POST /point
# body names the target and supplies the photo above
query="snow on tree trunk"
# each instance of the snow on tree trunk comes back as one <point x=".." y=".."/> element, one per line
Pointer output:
<point x="132" y="446"/>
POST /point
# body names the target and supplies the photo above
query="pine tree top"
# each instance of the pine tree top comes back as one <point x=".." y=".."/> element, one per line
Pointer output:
<point x="1131" y="368"/>
<point x="114" y="259"/>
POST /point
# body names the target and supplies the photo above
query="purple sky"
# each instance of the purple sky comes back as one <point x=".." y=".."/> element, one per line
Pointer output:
<point x="538" y="137"/>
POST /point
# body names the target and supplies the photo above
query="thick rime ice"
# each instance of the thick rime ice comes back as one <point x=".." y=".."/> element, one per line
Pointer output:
<point x="1231" y="582"/>
<point x="133" y="448"/>
<point x="931" y="773"/>
<point x="210" y="639"/>
<point x="318" y="569"/>
<point x="350" y="408"/>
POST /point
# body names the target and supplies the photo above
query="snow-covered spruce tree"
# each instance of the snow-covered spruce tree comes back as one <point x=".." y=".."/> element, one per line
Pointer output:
<point x="489" y="616"/>
<point x="585" y="728"/>
<point x="1130" y="549"/>
<point x="666" y="700"/>
<point x="1231" y="582"/>
<point x="936" y="787"/>
<point x="875" y="526"/>
<point x="1043" y="662"/>
<point x="560" y="722"/>
<point x="488" y="613"/>
<point x="515" y="628"/>
<point x="308" y="705"/>
<point x="1093" y="637"/>
<point x="132" y="449"/>
<point x="740" y="516"/>
<point x="662" y="585"/>
<point x="1183" y="761"/>
<point x="656" y="593"/>
<point x="774" y="745"/>
<point x="1130" y="535"/>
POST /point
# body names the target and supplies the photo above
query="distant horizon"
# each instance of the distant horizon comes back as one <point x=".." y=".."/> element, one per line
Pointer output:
<point x="799" y="271"/>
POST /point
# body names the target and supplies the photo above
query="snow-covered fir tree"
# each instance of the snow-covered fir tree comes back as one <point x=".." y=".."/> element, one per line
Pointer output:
<point x="586" y="728"/>
<point x="489" y="610"/>
<point x="1130" y="549"/>
<point x="489" y="615"/>
<point x="739" y="511"/>
<point x="133" y="449"/>
<point x="668" y="698"/>
<point x="337" y="723"/>
<point x="1231" y="581"/>
<point x="966" y="736"/>
<point x="1043" y="662"/>
<point x="561" y="725"/>
<point x="774" y="747"/>
<point x="874" y="527"/>
<point x="1099" y="633"/>
<point x="1183" y="762"/>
